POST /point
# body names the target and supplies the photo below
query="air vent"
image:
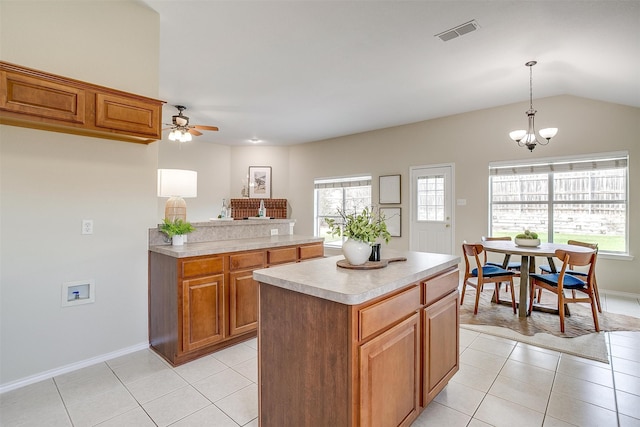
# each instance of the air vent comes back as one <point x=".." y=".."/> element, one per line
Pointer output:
<point x="460" y="30"/>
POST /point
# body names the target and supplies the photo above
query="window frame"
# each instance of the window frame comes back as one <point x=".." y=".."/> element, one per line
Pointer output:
<point x="551" y="166"/>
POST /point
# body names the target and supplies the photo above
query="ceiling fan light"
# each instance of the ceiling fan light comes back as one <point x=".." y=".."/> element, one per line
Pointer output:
<point x="517" y="135"/>
<point x="548" y="133"/>
<point x="172" y="135"/>
<point x="187" y="137"/>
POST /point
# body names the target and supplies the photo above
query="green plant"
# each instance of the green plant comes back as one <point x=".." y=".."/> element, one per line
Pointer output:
<point x="528" y="234"/>
<point x="366" y="226"/>
<point x="178" y="226"/>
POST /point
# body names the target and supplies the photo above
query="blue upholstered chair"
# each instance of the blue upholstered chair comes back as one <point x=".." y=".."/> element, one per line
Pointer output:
<point x="512" y="266"/>
<point x="558" y="282"/>
<point x="545" y="269"/>
<point x="477" y="273"/>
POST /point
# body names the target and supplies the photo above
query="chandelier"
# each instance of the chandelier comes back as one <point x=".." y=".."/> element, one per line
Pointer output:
<point x="528" y="138"/>
<point x="180" y="133"/>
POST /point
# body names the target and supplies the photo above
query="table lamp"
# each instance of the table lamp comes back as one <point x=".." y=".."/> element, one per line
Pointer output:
<point x="176" y="184"/>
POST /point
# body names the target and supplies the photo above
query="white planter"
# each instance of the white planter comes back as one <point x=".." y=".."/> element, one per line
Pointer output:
<point x="356" y="252"/>
<point x="527" y="242"/>
<point x="177" y="240"/>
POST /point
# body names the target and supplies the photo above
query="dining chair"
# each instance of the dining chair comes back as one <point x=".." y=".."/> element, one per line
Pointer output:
<point x="483" y="273"/>
<point x="558" y="282"/>
<point x="580" y="273"/>
<point x="514" y="266"/>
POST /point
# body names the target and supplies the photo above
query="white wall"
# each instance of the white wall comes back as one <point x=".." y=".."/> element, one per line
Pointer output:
<point x="51" y="181"/>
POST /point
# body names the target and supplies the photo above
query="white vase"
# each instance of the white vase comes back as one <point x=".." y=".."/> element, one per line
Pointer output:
<point x="356" y="252"/>
<point x="177" y="240"/>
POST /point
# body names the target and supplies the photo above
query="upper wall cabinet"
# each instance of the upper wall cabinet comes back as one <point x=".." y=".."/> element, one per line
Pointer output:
<point x="35" y="99"/>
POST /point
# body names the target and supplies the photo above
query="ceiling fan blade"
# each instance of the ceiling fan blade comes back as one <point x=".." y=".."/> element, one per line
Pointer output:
<point x="167" y="128"/>
<point x="194" y="132"/>
<point x="204" y="127"/>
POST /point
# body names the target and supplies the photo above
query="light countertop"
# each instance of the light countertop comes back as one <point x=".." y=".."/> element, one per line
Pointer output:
<point x="234" y="245"/>
<point x="324" y="279"/>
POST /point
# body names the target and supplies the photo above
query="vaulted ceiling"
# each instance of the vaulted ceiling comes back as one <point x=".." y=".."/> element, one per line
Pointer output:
<point x="289" y="72"/>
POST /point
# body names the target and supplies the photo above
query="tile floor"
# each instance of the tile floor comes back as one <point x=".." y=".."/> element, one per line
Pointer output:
<point x="500" y="383"/>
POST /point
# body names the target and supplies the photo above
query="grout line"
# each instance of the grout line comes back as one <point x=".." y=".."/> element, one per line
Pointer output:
<point x="613" y="378"/>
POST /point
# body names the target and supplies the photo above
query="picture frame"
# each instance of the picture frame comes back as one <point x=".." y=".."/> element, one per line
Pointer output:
<point x="393" y="219"/>
<point x="389" y="187"/>
<point x="259" y="182"/>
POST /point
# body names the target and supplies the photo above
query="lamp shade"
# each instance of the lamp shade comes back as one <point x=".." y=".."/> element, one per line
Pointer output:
<point x="177" y="183"/>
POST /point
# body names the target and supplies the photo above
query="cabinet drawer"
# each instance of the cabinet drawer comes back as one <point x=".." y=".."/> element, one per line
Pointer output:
<point x="437" y="287"/>
<point x="246" y="260"/>
<point x="311" y="251"/>
<point x="201" y="266"/>
<point x="387" y="312"/>
<point x="280" y="256"/>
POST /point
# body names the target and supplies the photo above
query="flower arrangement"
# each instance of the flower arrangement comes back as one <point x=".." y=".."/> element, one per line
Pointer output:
<point x="176" y="227"/>
<point x="366" y="226"/>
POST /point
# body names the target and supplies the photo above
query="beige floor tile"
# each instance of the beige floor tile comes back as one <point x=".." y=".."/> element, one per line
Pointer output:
<point x="82" y="374"/>
<point x="579" y="413"/>
<point x="175" y="406"/>
<point x="221" y="385"/>
<point x="587" y="361"/>
<point x="137" y="357"/>
<point x="503" y="413"/>
<point x="585" y="391"/>
<point x="502" y="348"/>
<point x="554" y="422"/>
<point x="540" y="349"/>
<point x="156" y="385"/>
<point x="241" y="406"/>
<point x="248" y="369"/>
<point x="483" y="360"/>
<point x="626" y="421"/>
<point x="624" y="352"/>
<point x="139" y="367"/>
<point x="134" y="418"/>
<point x="477" y="423"/>
<point x="253" y="343"/>
<point x="101" y="407"/>
<point x="521" y="393"/>
<point x="535" y="358"/>
<point x="460" y="397"/>
<point x="538" y="377"/>
<point x="628" y="404"/>
<point x="86" y="388"/>
<point x="231" y="356"/>
<point x="33" y="405"/>
<point x="467" y="337"/>
<point x="200" y="368"/>
<point x="473" y="377"/>
<point x="625" y="366"/>
<point x="627" y="383"/>
<point x="586" y="371"/>
<point x="211" y="416"/>
<point x="625" y="341"/>
<point x="253" y="423"/>
<point x="441" y="415"/>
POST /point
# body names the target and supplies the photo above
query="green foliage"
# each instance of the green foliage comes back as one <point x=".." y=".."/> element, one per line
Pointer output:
<point x="527" y="235"/>
<point x="176" y="227"/>
<point x="366" y="226"/>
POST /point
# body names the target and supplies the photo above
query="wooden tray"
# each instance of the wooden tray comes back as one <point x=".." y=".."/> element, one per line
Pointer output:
<point x="369" y="265"/>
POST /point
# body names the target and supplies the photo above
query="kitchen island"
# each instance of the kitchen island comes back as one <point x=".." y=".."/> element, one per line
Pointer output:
<point x="346" y="347"/>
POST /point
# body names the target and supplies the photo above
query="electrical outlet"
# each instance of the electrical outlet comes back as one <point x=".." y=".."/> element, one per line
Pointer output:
<point x="87" y="226"/>
<point x="274" y="231"/>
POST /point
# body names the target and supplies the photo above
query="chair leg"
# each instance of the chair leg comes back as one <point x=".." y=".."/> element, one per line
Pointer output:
<point x="513" y="296"/>
<point x="497" y="292"/>
<point x="593" y="310"/>
<point x="596" y="293"/>
<point x="478" y="292"/>
<point x="464" y="288"/>
<point x="561" y="309"/>
<point x="539" y="295"/>
<point x="532" y="292"/>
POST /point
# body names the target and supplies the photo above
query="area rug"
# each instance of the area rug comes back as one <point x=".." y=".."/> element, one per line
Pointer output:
<point x="543" y="329"/>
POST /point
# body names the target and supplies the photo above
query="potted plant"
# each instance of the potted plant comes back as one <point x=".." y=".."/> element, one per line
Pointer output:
<point x="528" y="238"/>
<point x="176" y="230"/>
<point x="362" y="230"/>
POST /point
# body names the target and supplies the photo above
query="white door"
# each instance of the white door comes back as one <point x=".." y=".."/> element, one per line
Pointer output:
<point x="431" y="227"/>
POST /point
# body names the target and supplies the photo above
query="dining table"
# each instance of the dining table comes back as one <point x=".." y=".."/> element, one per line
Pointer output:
<point x="528" y="256"/>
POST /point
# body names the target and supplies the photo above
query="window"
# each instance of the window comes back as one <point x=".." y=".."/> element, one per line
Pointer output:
<point x="346" y="194"/>
<point x="430" y="198"/>
<point x="583" y="198"/>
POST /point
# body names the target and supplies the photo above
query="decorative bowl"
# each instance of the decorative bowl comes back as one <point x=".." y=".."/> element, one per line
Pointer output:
<point x="527" y="242"/>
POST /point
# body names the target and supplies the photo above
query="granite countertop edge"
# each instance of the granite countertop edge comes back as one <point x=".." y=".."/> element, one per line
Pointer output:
<point x="334" y="283"/>
<point x="235" y="245"/>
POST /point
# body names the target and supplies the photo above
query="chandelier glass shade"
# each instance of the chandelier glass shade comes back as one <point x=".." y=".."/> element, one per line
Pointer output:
<point x="528" y="138"/>
<point x="181" y="135"/>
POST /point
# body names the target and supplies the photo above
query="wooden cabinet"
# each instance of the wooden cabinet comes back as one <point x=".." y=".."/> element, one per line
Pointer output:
<point x="201" y="304"/>
<point x="374" y="364"/>
<point x="35" y="99"/>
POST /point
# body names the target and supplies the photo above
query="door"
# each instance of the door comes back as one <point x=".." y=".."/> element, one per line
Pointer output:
<point x="431" y="227"/>
<point x="202" y="311"/>
<point x="243" y="302"/>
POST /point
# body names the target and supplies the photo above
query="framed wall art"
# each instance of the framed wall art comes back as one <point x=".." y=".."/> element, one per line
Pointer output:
<point x="392" y="217"/>
<point x="390" y="189"/>
<point x="260" y="182"/>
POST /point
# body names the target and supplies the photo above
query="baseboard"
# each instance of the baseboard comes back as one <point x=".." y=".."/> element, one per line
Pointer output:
<point x="32" y="379"/>
<point x="620" y="294"/>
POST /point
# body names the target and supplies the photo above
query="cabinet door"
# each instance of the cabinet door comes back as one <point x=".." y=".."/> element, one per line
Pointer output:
<point x="390" y="376"/>
<point x="440" y="340"/>
<point x="243" y="302"/>
<point x="202" y="311"/>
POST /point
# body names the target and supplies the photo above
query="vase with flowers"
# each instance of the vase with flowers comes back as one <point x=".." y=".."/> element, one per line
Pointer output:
<point x="362" y="230"/>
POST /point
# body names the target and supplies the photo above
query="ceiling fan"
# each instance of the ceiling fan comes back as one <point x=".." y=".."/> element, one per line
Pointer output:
<point x="181" y="130"/>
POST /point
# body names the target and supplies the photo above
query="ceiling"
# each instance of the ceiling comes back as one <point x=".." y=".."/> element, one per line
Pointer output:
<point x="289" y="72"/>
